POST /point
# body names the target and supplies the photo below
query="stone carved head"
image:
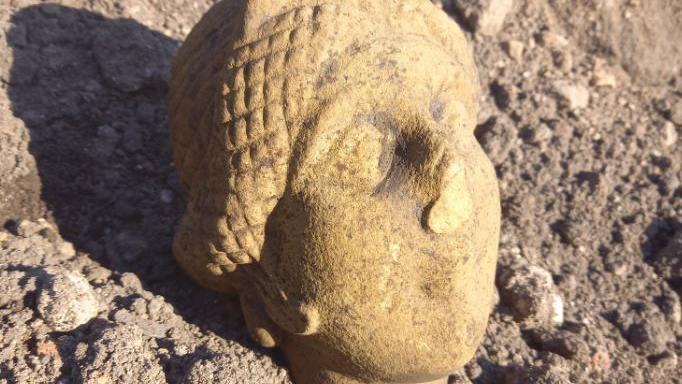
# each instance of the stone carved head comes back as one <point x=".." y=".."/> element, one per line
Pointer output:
<point x="335" y="185"/>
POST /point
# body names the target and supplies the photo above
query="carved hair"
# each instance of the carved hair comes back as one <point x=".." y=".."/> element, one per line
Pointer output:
<point x="242" y="87"/>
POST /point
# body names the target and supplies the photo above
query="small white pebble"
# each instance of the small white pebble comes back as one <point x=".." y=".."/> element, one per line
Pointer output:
<point x="602" y="77"/>
<point x="669" y="134"/>
<point x="557" y="310"/>
<point x="575" y="95"/>
<point x="67" y="249"/>
<point x="66" y="300"/>
<point x="514" y="49"/>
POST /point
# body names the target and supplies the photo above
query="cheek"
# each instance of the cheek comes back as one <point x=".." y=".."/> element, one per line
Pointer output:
<point x="485" y="192"/>
<point x="350" y="241"/>
<point x="375" y="274"/>
<point x="351" y="252"/>
<point x="354" y="246"/>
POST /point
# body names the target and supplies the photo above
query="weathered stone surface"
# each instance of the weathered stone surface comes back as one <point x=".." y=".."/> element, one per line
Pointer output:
<point x="335" y="185"/>
<point x="234" y="368"/>
<point x="116" y="354"/>
<point x="66" y="299"/>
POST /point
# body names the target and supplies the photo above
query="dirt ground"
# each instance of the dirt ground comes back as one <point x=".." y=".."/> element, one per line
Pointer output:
<point x="581" y="115"/>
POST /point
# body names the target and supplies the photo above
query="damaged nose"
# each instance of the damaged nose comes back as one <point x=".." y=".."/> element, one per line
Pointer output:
<point x="454" y="205"/>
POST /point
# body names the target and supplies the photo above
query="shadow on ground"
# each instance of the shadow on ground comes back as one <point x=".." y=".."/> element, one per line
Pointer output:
<point x="92" y="92"/>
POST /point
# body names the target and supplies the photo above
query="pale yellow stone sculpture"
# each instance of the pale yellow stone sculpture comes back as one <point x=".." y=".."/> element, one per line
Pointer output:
<point x="334" y="183"/>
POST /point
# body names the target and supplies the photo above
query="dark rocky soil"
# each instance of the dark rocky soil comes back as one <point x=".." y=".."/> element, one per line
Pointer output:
<point x="581" y="114"/>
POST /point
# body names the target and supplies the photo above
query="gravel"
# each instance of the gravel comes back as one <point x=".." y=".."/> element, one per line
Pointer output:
<point x="233" y="368"/>
<point x="117" y="354"/>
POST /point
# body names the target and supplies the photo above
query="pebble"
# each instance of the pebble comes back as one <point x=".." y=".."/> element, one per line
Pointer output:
<point x="491" y="19"/>
<point x="131" y="281"/>
<point x="27" y="228"/>
<point x="602" y="77"/>
<point x="158" y="308"/>
<point x="552" y="40"/>
<point x="181" y="350"/>
<point x="566" y="343"/>
<point x="540" y="135"/>
<point x="67" y="249"/>
<point x="669" y="304"/>
<point x="498" y="137"/>
<point x="139" y="306"/>
<point x="557" y="309"/>
<point x="4" y="236"/>
<point x="514" y="49"/>
<point x="619" y="268"/>
<point x="66" y="299"/>
<point x="670" y="135"/>
<point x="97" y="274"/>
<point x="486" y="17"/>
<point x="576" y="96"/>
<point x="530" y="292"/>
<point x="676" y="113"/>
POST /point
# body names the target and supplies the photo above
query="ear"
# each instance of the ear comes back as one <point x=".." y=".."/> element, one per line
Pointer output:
<point x="262" y="330"/>
<point x="292" y="316"/>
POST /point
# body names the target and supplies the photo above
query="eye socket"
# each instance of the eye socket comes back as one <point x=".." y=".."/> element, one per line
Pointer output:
<point x="414" y="156"/>
<point x="411" y="151"/>
<point x="375" y="153"/>
<point x="355" y="159"/>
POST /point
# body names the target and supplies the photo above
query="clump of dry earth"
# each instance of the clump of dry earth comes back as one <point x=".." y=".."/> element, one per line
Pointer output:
<point x="581" y="115"/>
